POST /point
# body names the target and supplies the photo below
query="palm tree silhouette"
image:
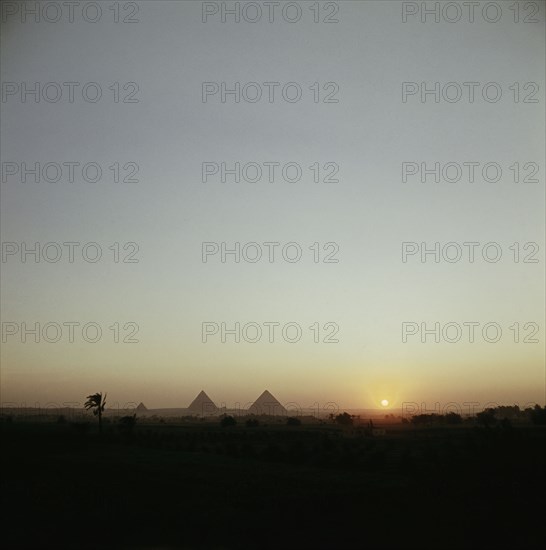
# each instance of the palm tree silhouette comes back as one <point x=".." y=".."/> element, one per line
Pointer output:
<point x="96" y="403"/>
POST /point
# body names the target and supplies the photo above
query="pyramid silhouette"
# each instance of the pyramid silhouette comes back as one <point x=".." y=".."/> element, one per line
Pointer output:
<point x="141" y="407"/>
<point x="203" y="405"/>
<point x="267" y="404"/>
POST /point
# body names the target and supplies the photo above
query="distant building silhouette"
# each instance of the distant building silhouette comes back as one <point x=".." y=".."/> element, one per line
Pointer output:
<point x="267" y="404"/>
<point x="203" y="405"/>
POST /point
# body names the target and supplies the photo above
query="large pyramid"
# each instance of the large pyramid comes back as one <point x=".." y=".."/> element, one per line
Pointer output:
<point x="267" y="404"/>
<point x="141" y="407"/>
<point x="203" y="405"/>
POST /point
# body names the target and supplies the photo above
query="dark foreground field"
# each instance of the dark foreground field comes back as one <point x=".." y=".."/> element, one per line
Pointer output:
<point x="271" y="488"/>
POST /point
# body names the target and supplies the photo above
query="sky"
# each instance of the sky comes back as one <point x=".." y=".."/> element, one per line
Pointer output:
<point x="364" y="119"/>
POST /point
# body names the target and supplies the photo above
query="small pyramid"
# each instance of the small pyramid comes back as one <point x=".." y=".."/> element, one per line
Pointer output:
<point x="203" y="405"/>
<point x="141" y="407"/>
<point x="267" y="404"/>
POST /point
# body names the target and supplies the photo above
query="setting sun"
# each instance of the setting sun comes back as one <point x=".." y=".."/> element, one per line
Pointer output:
<point x="384" y="403"/>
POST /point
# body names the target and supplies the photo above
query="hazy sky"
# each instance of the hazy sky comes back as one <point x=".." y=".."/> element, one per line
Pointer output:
<point x="169" y="131"/>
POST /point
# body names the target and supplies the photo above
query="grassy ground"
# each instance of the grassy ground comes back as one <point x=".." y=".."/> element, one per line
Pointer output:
<point x="261" y="488"/>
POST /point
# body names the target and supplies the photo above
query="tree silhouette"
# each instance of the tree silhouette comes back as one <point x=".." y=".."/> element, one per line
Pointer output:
<point x="538" y="415"/>
<point x="486" y="417"/>
<point x="96" y="403"/>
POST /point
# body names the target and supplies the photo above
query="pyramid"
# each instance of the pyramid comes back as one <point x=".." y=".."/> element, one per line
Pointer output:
<point x="203" y="405"/>
<point x="141" y="407"/>
<point x="267" y="404"/>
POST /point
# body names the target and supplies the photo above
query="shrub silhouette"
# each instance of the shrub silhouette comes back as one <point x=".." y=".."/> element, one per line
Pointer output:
<point x="344" y="419"/>
<point x="227" y="421"/>
<point x="453" y="418"/>
<point x="487" y="417"/>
